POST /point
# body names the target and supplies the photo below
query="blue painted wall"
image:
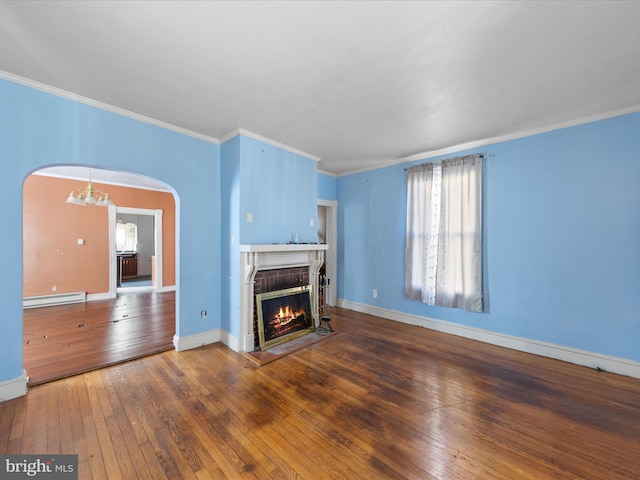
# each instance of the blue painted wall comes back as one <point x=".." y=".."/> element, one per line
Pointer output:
<point x="327" y="187"/>
<point x="38" y="129"/>
<point x="230" y="240"/>
<point x="279" y="189"/>
<point x="562" y="238"/>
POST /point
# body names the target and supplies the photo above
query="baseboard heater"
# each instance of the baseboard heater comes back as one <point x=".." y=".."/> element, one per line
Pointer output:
<point x="55" y="299"/>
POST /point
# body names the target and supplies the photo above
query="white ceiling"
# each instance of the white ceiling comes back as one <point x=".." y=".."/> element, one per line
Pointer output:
<point x="359" y="84"/>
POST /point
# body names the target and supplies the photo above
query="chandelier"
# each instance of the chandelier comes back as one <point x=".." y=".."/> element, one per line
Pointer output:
<point x="89" y="196"/>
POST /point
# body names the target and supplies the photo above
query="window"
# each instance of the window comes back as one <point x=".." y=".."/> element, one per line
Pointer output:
<point x="443" y="254"/>
<point x="126" y="237"/>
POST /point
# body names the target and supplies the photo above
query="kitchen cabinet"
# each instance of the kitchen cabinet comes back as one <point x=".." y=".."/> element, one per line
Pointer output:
<point x="127" y="267"/>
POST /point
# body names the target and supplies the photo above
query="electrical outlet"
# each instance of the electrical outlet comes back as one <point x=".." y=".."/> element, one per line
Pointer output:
<point x="249" y="217"/>
<point x="203" y="314"/>
<point x="375" y="293"/>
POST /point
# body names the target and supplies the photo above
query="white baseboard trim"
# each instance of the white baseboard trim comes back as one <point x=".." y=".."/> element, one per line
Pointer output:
<point x="230" y="340"/>
<point x="585" y="358"/>
<point x="14" y="388"/>
<point x="206" y="338"/>
<point x="196" y="340"/>
<point x="92" y="297"/>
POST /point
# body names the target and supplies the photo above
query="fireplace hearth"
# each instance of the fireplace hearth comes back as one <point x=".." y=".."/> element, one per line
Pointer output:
<point x="284" y="315"/>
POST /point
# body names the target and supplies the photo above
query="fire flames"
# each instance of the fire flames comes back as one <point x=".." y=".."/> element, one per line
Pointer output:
<point x="284" y="316"/>
<point x="285" y="312"/>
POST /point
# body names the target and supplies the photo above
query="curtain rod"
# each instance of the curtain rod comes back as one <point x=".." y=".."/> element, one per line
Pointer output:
<point x="483" y="155"/>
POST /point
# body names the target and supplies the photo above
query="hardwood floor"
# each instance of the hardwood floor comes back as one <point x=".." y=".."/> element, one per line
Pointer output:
<point x="69" y="339"/>
<point x="376" y="400"/>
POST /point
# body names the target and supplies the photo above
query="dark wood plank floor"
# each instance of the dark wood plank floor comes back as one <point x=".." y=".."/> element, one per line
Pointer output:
<point x="376" y="400"/>
<point x="68" y="339"/>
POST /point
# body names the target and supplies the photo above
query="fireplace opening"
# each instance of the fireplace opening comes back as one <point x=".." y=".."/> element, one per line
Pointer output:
<point x="284" y="315"/>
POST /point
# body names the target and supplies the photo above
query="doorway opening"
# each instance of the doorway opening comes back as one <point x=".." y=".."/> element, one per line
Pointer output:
<point x="138" y="257"/>
<point x="328" y="233"/>
<point x="72" y="248"/>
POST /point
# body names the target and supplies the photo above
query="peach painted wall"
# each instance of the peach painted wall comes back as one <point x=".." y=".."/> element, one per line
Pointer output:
<point x="51" y="229"/>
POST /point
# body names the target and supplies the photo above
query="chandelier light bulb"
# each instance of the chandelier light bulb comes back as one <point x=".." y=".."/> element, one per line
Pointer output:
<point x="90" y="196"/>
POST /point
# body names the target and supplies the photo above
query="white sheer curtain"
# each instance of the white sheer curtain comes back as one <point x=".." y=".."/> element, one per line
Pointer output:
<point x="443" y="256"/>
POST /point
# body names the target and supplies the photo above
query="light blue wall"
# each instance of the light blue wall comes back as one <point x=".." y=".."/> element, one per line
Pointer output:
<point x="230" y="240"/>
<point x="38" y="129"/>
<point x="562" y="236"/>
<point x="327" y="187"/>
<point x="280" y="189"/>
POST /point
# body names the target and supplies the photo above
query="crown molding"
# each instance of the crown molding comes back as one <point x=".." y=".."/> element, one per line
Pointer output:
<point x="229" y="135"/>
<point x="499" y="139"/>
<point x="274" y="143"/>
<point x="522" y="134"/>
<point x="329" y="174"/>
<point x="152" y="121"/>
<point x="103" y="106"/>
<point x="240" y="131"/>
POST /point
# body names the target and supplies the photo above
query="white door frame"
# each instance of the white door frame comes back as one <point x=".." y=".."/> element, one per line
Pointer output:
<point x="332" y="253"/>
<point x="157" y="239"/>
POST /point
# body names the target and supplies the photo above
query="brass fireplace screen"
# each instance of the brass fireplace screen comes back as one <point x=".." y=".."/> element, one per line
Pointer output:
<point x="284" y="315"/>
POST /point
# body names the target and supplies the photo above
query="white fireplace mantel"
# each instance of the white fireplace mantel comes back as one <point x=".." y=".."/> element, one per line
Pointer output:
<point x="254" y="258"/>
<point x="267" y="257"/>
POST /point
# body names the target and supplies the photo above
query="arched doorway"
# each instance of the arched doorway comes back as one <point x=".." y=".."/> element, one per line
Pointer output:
<point x="69" y="256"/>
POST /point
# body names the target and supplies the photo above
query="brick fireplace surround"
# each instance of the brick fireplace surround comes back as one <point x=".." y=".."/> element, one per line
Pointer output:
<point x="272" y="267"/>
<point x="273" y="280"/>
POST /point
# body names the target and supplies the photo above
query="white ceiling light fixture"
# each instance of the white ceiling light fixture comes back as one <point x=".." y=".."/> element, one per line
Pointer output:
<point x="90" y="196"/>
